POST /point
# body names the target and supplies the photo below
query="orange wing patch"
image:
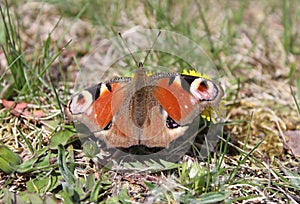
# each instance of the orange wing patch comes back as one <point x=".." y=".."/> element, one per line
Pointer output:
<point x="177" y="102"/>
<point x="107" y="104"/>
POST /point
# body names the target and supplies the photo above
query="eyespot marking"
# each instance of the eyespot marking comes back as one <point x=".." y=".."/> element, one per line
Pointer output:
<point x="80" y="102"/>
<point x="203" y="90"/>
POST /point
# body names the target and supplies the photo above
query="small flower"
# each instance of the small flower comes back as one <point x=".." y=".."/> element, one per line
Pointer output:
<point x="209" y="114"/>
<point x="195" y="73"/>
<point x="213" y="113"/>
<point x="150" y="73"/>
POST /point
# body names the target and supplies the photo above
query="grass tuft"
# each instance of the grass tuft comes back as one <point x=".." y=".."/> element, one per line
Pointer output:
<point x="13" y="52"/>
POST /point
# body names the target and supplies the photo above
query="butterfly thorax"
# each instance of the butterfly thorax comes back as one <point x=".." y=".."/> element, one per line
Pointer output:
<point x="142" y="100"/>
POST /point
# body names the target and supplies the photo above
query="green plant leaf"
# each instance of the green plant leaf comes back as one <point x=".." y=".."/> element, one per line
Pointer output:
<point x="26" y="197"/>
<point x="70" y="186"/>
<point x="95" y="191"/>
<point x="40" y="160"/>
<point x="61" y="137"/>
<point x="214" y="197"/>
<point x="62" y="163"/>
<point x="150" y="165"/>
<point x="293" y="177"/>
<point x="122" y="197"/>
<point x="90" y="181"/>
<point x="90" y="149"/>
<point x="9" y="160"/>
<point x="5" y="166"/>
<point x="43" y="184"/>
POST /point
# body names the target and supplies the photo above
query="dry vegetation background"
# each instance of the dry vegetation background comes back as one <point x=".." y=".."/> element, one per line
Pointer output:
<point x="255" y="46"/>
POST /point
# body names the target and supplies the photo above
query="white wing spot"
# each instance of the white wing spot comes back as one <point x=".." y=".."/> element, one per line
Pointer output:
<point x="177" y="80"/>
<point x="89" y="111"/>
<point x="193" y="100"/>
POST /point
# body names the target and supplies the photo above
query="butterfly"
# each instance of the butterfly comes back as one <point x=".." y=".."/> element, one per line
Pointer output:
<point x="144" y="110"/>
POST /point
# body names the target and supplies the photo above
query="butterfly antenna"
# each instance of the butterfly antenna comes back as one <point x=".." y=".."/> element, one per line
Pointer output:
<point x="136" y="62"/>
<point x="152" y="46"/>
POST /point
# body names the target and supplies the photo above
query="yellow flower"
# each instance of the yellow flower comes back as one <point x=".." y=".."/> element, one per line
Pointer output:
<point x="195" y="73"/>
<point x="209" y="114"/>
<point x="212" y="113"/>
<point x="150" y="73"/>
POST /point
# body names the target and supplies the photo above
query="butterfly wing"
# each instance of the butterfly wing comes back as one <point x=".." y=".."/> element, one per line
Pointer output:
<point x="180" y="99"/>
<point x="184" y="97"/>
<point x="99" y="109"/>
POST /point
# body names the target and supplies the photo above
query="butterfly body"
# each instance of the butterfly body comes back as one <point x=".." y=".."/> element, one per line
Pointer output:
<point x="143" y="110"/>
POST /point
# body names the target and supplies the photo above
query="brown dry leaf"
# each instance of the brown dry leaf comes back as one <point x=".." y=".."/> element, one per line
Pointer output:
<point x="38" y="113"/>
<point x="18" y="109"/>
<point x="15" y="108"/>
<point x="292" y="138"/>
<point x="34" y="113"/>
